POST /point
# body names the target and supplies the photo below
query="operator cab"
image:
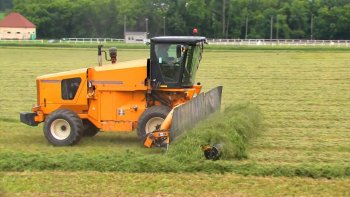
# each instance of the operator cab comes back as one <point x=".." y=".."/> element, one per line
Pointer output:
<point x="174" y="61"/>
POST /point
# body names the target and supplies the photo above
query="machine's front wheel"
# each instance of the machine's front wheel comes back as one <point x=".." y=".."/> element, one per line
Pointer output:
<point x="63" y="128"/>
<point x="151" y="119"/>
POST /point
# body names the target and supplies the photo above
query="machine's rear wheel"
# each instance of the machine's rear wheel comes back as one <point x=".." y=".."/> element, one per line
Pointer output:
<point x="63" y="127"/>
<point x="150" y="120"/>
<point x="90" y="130"/>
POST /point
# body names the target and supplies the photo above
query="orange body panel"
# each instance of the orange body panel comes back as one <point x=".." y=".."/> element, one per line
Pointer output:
<point x="112" y="97"/>
<point x="49" y="92"/>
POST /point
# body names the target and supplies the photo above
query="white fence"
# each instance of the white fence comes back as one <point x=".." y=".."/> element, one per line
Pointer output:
<point x="21" y="41"/>
<point x="279" y="42"/>
<point x="90" y="40"/>
<point x="237" y="42"/>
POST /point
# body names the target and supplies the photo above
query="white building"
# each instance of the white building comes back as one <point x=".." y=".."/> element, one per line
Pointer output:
<point x="135" y="37"/>
<point x="16" y="26"/>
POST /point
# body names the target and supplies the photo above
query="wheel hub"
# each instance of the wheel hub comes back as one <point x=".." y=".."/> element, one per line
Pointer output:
<point x="60" y="129"/>
<point x="153" y="124"/>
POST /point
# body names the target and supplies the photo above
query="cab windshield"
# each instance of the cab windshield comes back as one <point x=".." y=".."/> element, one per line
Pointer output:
<point x="178" y="62"/>
<point x="170" y="61"/>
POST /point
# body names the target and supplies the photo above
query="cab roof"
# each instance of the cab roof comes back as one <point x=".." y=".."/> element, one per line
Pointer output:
<point x="178" y="39"/>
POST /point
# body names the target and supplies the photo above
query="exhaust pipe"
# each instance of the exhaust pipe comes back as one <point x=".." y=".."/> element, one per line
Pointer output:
<point x="99" y="54"/>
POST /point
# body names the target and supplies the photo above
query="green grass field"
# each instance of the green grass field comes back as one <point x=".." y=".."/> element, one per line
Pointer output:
<point x="303" y="95"/>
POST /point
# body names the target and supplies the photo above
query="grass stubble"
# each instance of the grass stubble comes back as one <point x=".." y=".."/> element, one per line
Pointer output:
<point x="303" y="95"/>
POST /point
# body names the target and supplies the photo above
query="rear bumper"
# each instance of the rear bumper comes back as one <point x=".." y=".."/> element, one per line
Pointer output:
<point x="28" y="118"/>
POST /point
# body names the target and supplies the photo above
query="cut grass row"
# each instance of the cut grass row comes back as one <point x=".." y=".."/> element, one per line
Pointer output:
<point x="130" y="161"/>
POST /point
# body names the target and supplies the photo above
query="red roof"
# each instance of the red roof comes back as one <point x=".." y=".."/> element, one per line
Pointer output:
<point x="16" y="20"/>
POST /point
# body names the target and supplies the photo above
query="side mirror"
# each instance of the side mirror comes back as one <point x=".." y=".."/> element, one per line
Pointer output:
<point x="178" y="50"/>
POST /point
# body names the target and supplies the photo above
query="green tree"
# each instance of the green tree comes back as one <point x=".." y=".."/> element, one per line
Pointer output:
<point x="213" y="18"/>
<point x="5" y="5"/>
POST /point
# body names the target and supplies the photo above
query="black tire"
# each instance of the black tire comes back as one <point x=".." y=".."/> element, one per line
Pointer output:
<point x="159" y="112"/>
<point x="90" y="130"/>
<point x="63" y="128"/>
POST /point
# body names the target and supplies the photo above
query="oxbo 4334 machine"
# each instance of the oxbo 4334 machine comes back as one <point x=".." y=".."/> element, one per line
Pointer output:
<point x="125" y="96"/>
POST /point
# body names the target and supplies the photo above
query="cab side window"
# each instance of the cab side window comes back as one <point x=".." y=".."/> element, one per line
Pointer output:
<point x="69" y="88"/>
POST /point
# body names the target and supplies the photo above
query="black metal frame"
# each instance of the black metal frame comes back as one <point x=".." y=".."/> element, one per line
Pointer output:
<point x="155" y="74"/>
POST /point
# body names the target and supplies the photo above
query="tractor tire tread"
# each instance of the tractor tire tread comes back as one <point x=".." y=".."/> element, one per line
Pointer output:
<point x="75" y="122"/>
<point x="90" y="130"/>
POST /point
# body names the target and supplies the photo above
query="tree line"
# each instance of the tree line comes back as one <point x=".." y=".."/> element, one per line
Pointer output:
<point x="251" y="19"/>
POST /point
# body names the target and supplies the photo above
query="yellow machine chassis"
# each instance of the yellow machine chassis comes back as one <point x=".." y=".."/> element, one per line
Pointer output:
<point x="121" y="87"/>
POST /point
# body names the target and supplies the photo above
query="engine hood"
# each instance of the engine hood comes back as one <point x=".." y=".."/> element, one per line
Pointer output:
<point x="63" y="74"/>
<point x="106" y="67"/>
